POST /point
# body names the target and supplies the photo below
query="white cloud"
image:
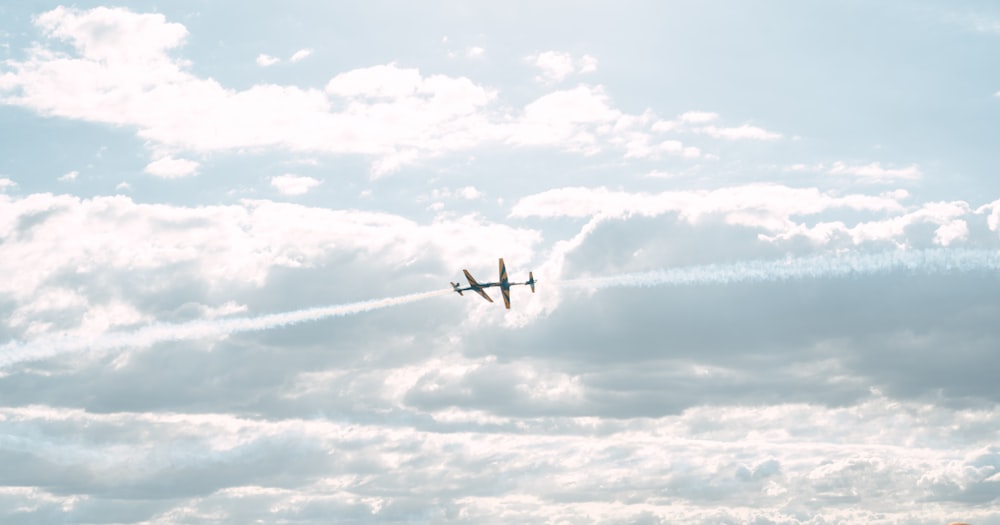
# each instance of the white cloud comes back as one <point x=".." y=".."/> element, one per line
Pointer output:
<point x="466" y="192"/>
<point x="99" y="318"/>
<point x="993" y="219"/>
<point x="226" y="309"/>
<point x="948" y="216"/>
<point x="114" y="35"/>
<point x="70" y="176"/>
<point x="475" y="52"/>
<point x="683" y="121"/>
<point x="801" y="167"/>
<point x="698" y="117"/>
<point x="662" y="126"/>
<point x="615" y="469"/>
<point x="557" y="66"/>
<point x="875" y="173"/>
<point x="573" y="119"/>
<point x="290" y="184"/>
<point x="220" y="244"/>
<point x="775" y="209"/>
<point x="744" y="132"/>
<point x="426" y="116"/>
<point x="300" y="55"/>
<point x="267" y="60"/>
<point x="387" y="81"/>
<point x="469" y="193"/>
<point x="171" y="168"/>
<point x="766" y="205"/>
<point x="396" y="116"/>
<point x="6" y="184"/>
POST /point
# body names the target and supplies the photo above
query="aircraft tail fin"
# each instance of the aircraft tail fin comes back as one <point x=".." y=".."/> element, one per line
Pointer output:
<point x="503" y="273"/>
<point x="457" y="289"/>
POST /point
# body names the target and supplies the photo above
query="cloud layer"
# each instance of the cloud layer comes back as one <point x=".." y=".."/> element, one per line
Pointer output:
<point x="745" y="312"/>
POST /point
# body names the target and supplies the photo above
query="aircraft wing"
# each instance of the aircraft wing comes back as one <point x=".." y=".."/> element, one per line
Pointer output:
<point x="472" y="281"/>
<point x="482" y="292"/>
<point x="506" y="296"/>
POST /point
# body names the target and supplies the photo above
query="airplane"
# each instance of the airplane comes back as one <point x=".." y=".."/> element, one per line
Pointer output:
<point x="503" y="283"/>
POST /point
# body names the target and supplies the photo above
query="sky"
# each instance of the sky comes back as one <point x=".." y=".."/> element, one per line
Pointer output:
<point x="766" y="237"/>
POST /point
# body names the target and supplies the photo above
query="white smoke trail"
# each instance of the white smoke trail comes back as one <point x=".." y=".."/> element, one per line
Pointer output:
<point x="42" y="348"/>
<point x="915" y="261"/>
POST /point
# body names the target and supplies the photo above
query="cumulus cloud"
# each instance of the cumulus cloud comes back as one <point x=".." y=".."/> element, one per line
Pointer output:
<point x="570" y="118"/>
<point x="69" y="176"/>
<point x="114" y="35"/>
<point x="232" y="425"/>
<point x="237" y="243"/>
<point x="697" y="350"/>
<point x="6" y="184"/>
<point x="949" y="217"/>
<point x="170" y="106"/>
<point x="396" y="116"/>
<point x="171" y="168"/>
<point x="469" y="192"/>
<point x="556" y="66"/>
<point x="290" y="184"/>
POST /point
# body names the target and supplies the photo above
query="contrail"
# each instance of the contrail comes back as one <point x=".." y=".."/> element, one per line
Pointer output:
<point x="916" y="261"/>
<point x="42" y="348"/>
<point x="821" y="266"/>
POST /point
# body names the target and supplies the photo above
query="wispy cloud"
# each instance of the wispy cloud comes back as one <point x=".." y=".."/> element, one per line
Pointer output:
<point x="69" y="176"/>
<point x="875" y="173"/>
<point x="698" y="117"/>
<point x="744" y="132"/>
<point x="300" y="55"/>
<point x="980" y="22"/>
<point x="771" y="203"/>
<point x="267" y="60"/>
